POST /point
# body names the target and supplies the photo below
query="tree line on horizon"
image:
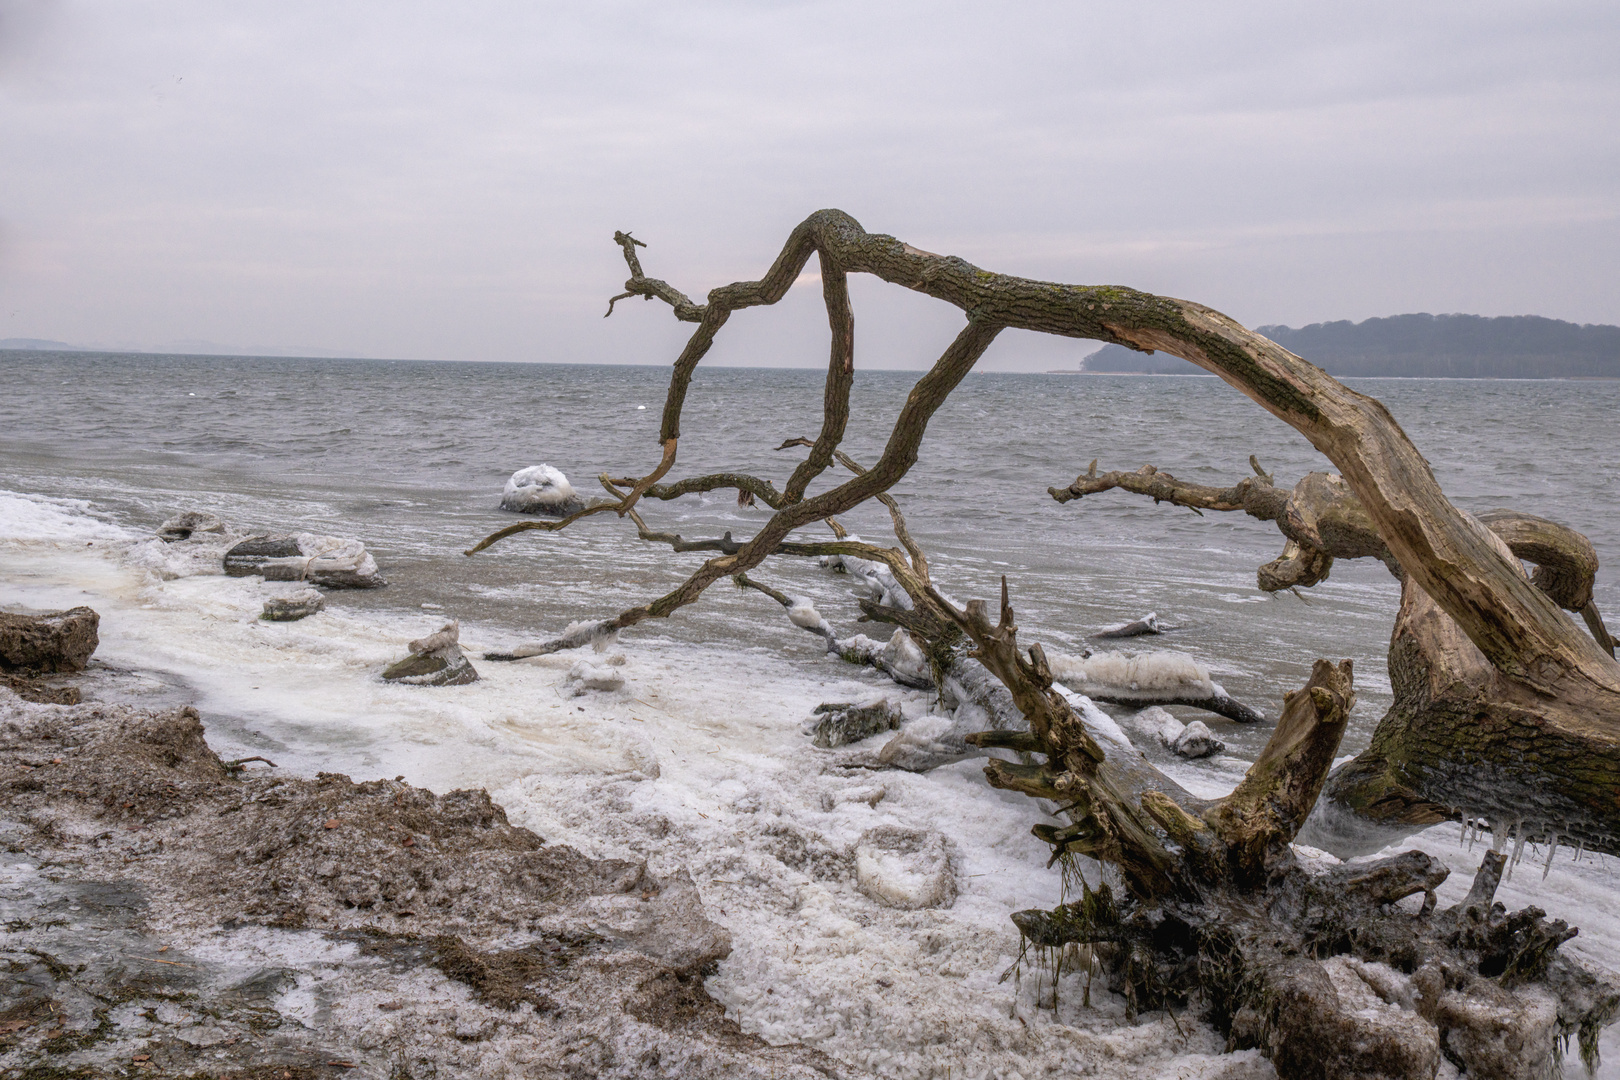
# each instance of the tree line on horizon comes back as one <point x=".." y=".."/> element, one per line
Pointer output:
<point x="1423" y="346"/>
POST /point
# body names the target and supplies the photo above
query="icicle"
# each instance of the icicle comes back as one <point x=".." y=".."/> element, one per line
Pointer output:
<point x="1552" y="849"/>
<point x="1580" y="846"/>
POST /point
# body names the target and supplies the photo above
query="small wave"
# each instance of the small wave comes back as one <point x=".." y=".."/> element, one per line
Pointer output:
<point x="40" y="517"/>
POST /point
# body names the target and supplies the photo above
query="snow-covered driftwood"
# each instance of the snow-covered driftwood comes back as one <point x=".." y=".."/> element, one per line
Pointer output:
<point x="1215" y="907"/>
<point x="574" y="635"/>
<point x="1152" y="678"/>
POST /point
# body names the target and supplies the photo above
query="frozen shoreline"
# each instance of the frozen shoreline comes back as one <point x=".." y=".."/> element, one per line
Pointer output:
<point x="698" y="764"/>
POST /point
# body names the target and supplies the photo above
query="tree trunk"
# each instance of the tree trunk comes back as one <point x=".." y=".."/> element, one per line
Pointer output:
<point x="1457" y="741"/>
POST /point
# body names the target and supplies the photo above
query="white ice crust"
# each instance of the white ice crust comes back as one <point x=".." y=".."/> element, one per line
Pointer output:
<point x="698" y="761"/>
<point x="539" y="487"/>
<point x="1162" y="672"/>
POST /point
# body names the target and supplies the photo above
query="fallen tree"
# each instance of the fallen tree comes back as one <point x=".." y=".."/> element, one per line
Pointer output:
<point x="1215" y="906"/>
<point x="1455" y="741"/>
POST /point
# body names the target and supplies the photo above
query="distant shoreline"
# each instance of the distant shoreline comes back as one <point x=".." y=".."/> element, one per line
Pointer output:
<point x="1404" y="378"/>
<point x="1194" y="374"/>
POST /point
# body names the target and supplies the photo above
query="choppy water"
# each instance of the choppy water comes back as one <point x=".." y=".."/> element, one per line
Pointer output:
<point x="410" y="457"/>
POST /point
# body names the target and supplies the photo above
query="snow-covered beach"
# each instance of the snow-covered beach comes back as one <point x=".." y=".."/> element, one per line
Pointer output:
<point x="692" y="768"/>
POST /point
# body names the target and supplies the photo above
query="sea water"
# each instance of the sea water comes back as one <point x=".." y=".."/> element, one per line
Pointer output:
<point x="700" y="761"/>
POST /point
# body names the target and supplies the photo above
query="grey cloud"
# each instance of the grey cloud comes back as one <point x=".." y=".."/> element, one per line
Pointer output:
<point x="406" y="180"/>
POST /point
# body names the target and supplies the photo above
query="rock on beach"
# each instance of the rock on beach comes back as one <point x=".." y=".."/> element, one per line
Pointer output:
<point x="540" y="489"/>
<point x="330" y="561"/>
<point x="299" y="605"/>
<point x="836" y="724"/>
<point x="48" y="642"/>
<point x="436" y="660"/>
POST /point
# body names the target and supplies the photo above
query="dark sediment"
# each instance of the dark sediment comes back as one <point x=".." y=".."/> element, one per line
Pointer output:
<point x="162" y="918"/>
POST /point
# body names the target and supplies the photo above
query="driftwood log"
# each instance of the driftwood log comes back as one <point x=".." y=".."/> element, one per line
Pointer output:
<point x="1213" y="905"/>
<point x="1463" y="738"/>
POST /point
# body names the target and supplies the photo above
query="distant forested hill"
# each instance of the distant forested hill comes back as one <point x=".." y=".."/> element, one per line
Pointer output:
<point x="1425" y="346"/>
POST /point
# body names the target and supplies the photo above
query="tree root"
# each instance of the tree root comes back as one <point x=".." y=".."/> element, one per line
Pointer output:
<point x="1331" y="980"/>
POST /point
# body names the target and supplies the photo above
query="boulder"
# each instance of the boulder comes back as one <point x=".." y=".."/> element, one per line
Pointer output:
<point x="1147" y="624"/>
<point x="52" y="641"/>
<point x="433" y="669"/>
<point x="540" y="489"/>
<point x="905" y="868"/>
<point x="187" y="525"/>
<point x="840" y="723"/>
<point x="435" y="660"/>
<point x="275" y="558"/>
<point x="298" y="605"/>
<point x="1193" y="740"/>
<point x="329" y="561"/>
<point x="1197" y="741"/>
<point x="188" y="545"/>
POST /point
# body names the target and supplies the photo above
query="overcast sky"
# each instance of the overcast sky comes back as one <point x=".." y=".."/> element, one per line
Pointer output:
<point x="443" y="181"/>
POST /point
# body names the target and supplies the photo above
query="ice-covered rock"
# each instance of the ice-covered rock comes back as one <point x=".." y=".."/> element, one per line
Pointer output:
<point x="49" y="641"/>
<point x="1193" y="740"/>
<point x="900" y="658"/>
<point x="837" y="724"/>
<point x="1147" y="624"/>
<point x="294" y="606"/>
<point x="331" y="561"/>
<point x="932" y="740"/>
<point x="905" y="868"/>
<point x="1197" y="741"/>
<point x="191" y="524"/>
<point x="586" y="676"/>
<point x="188" y="545"/>
<point x="435" y="660"/>
<point x="540" y="489"/>
<point x="903" y="659"/>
